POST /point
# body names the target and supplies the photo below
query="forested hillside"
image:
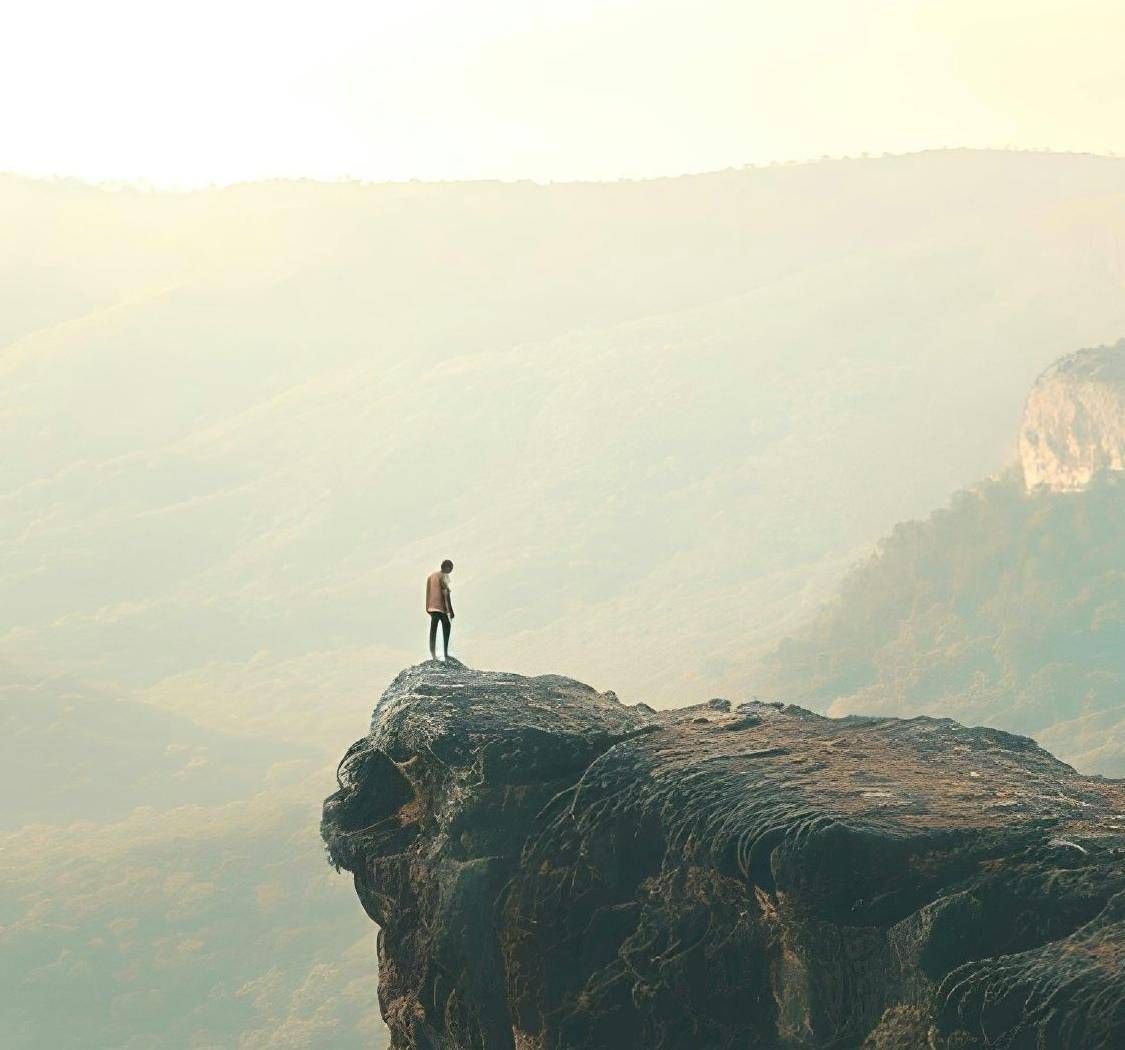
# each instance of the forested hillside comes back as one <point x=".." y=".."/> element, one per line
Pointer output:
<point x="1003" y="609"/>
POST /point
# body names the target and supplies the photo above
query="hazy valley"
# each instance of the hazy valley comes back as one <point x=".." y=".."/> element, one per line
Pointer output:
<point x="653" y="423"/>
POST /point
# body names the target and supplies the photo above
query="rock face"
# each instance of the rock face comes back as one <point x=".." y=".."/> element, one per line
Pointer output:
<point x="1074" y="422"/>
<point x="553" y="870"/>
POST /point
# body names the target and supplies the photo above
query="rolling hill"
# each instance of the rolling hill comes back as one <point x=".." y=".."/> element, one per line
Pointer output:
<point x="267" y="409"/>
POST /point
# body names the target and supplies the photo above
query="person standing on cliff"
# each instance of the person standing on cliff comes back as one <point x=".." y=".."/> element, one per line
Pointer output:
<point x="440" y="606"/>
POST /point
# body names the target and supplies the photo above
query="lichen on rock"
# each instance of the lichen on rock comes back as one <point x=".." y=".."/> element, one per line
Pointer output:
<point x="553" y="870"/>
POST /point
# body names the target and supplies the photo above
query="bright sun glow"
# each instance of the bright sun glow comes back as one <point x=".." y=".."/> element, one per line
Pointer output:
<point x="220" y="90"/>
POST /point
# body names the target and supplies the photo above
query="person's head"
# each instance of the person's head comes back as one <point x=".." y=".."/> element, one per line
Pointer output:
<point x="447" y="566"/>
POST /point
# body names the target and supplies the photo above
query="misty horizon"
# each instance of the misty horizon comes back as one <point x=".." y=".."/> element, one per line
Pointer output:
<point x="141" y="184"/>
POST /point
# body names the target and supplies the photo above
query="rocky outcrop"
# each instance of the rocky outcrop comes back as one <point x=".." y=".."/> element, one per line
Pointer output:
<point x="551" y="869"/>
<point x="1074" y="422"/>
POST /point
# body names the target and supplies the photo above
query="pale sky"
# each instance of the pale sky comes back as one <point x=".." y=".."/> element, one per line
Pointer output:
<point x="187" y="93"/>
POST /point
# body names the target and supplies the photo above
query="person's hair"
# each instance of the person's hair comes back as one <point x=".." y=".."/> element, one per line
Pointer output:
<point x="447" y="566"/>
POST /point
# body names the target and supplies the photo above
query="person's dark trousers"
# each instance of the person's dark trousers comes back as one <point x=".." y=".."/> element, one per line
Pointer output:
<point x="446" y="626"/>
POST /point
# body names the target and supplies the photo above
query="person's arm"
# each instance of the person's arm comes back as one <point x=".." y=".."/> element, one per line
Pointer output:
<point x="448" y="598"/>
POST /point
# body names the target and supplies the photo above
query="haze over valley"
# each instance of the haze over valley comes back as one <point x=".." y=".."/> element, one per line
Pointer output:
<point x="653" y="423"/>
<point x="250" y="418"/>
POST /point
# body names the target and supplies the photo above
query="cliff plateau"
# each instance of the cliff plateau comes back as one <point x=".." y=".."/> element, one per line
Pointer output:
<point x="1074" y="421"/>
<point x="552" y="870"/>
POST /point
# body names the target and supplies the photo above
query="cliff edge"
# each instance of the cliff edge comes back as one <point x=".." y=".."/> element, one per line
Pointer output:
<point x="553" y="870"/>
<point x="1074" y="421"/>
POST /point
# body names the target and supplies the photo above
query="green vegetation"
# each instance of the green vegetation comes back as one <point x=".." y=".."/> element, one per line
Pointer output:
<point x="163" y="885"/>
<point x="68" y="754"/>
<point x="1004" y="608"/>
<point x="197" y="927"/>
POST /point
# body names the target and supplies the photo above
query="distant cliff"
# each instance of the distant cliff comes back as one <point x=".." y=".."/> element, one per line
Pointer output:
<point x="1006" y="607"/>
<point x="1074" y="423"/>
<point x="553" y="870"/>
